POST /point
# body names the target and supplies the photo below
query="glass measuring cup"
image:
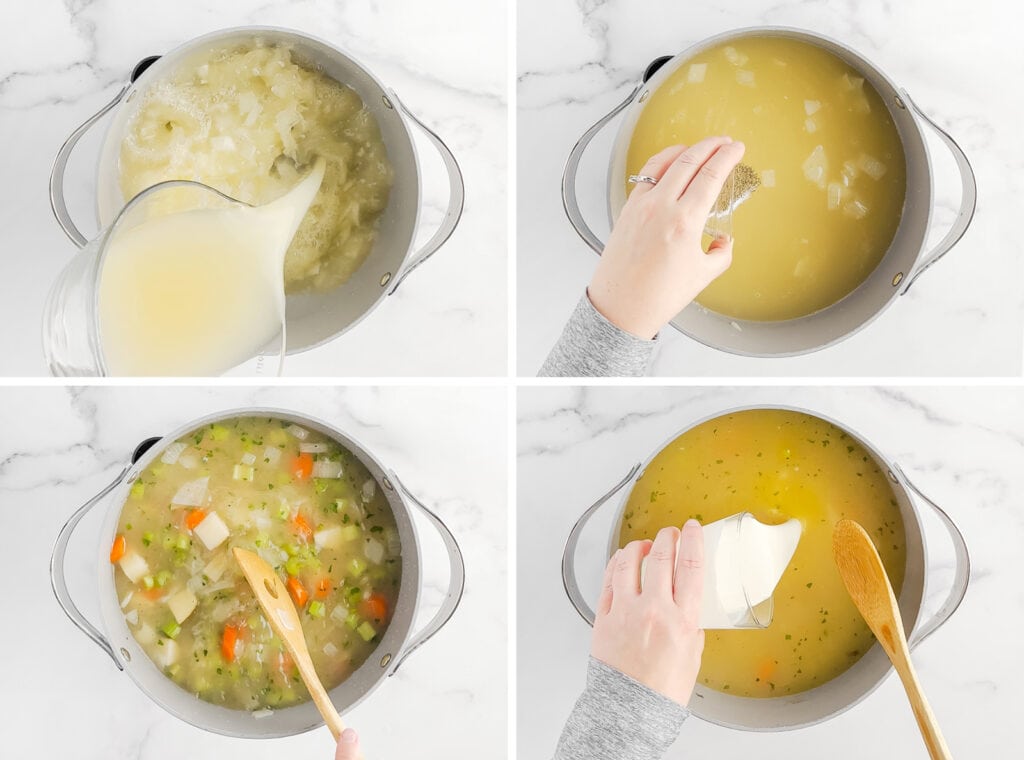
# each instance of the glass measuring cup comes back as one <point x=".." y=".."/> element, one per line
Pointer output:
<point x="72" y="330"/>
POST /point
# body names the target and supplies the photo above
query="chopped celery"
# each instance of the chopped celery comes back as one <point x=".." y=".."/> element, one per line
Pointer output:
<point x="284" y="511"/>
<point x="353" y="620"/>
<point x="138" y="489"/>
<point x="366" y="631"/>
<point x="293" y="566"/>
<point x="283" y="478"/>
<point x="148" y="582"/>
<point x="182" y="542"/>
<point x="162" y="577"/>
<point x="316" y="609"/>
<point x="320" y="485"/>
<point x="174" y="670"/>
<point x="219" y="432"/>
<point x="292" y="549"/>
<point x="356" y="567"/>
<point x="262" y="539"/>
<point x="147" y="538"/>
<point x="171" y="629"/>
<point x="351" y="533"/>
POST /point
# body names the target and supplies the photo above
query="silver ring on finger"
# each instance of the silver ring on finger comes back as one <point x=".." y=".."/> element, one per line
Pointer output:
<point x="635" y="179"/>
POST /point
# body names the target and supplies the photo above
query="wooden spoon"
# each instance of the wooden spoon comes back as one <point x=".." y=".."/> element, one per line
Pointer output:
<point x="865" y="578"/>
<point x="284" y="619"/>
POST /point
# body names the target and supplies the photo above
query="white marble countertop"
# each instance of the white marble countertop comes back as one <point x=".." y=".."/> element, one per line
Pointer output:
<point x="64" y="698"/>
<point x="59" y="62"/>
<point x="962" y="447"/>
<point x="576" y="60"/>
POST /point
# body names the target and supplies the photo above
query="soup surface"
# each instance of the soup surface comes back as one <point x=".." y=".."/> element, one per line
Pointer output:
<point x="778" y="465"/>
<point x="833" y="175"/>
<point x="304" y="504"/>
<point x="250" y="121"/>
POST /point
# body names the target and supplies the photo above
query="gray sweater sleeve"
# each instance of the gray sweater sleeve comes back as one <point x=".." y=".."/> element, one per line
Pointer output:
<point x="591" y="346"/>
<point x="617" y="718"/>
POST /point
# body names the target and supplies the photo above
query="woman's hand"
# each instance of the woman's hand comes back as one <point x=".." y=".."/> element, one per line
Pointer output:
<point x="348" y="746"/>
<point x="654" y="265"/>
<point x="652" y="635"/>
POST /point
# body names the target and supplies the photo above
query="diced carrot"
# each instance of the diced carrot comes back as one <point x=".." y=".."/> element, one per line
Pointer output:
<point x="285" y="664"/>
<point x="227" y="643"/>
<point x="194" y="517"/>
<point x="298" y="591"/>
<point x="152" y="594"/>
<point x="374" y="607"/>
<point x="765" y="669"/>
<point x="118" y="549"/>
<point x="323" y="587"/>
<point x="302" y="467"/>
<point x="302" y="527"/>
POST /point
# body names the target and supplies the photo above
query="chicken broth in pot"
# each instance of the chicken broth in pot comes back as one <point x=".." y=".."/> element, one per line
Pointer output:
<point x="302" y="502"/>
<point x="778" y="465"/>
<point x="830" y="161"/>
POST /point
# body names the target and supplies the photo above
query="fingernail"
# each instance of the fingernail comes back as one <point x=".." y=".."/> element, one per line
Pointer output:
<point x="349" y="736"/>
<point x="691" y="523"/>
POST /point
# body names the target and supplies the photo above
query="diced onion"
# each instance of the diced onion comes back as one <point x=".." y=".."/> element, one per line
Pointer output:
<point x="855" y="209"/>
<point x="314" y="448"/>
<point x="127" y="598"/>
<point x="696" y="73"/>
<point x="835" y="195"/>
<point x="735" y="57"/>
<point x="266" y="712"/>
<point x="297" y="432"/>
<point x="811" y="126"/>
<point x="327" y="468"/>
<point x="339" y="613"/>
<point x="768" y="178"/>
<point x="192" y="493"/>
<point x="393" y="542"/>
<point x="369" y="489"/>
<point x="188" y="461"/>
<point x="872" y="166"/>
<point x="132" y="618"/>
<point x="374" y="551"/>
<point x="811" y="107"/>
<point x="222" y="142"/>
<point x="815" y="166"/>
<point x="248" y="458"/>
<point x="173" y="452"/>
<point x="272" y="455"/>
<point x="851" y="83"/>
<point x="745" y="78"/>
<point x="328" y="537"/>
<point x="167" y="654"/>
<point x="133" y="566"/>
<point x="330" y="650"/>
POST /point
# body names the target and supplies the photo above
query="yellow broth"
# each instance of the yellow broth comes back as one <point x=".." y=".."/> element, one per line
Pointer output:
<point x="830" y="159"/>
<point x="303" y="503"/>
<point x="777" y="465"/>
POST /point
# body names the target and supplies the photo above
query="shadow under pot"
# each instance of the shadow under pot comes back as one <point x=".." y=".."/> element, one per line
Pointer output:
<point x="905" y="259"/>
<point x="847" y="684"/>
<point x="390" y="648"/>
<point x="71" y="324"/>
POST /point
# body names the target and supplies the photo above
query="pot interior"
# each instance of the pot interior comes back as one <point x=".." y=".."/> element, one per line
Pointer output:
<point x="842" y="692"/>
<point x="289" y="720"/>
<point x="313" y="318"/>
<point x="874" y="294"/>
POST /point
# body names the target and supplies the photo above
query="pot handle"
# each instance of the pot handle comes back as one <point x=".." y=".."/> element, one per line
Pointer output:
<point x="456" y="580"/>
<point x="961" y="579"/>
<point x="58" y="203"/>
<point x="572" y="586"/>
<point x="456" y="195"/>
<point x="572" y="164"/>
<point x="968" y="196"/>
<point x="58" y="577"/>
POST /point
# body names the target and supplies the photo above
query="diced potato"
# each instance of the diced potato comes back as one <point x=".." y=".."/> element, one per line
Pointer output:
<point x="243" y="472"/>
<point x="182" y="604"/>
<point x="327" y="468"/>
<point x="134" y="566"/>
<point x="215" y="568"/>
<point x="191" y="493"/>
<point x="816" y="166"/>
<point x="328" y="538"/>
<point x="212" y="531"/>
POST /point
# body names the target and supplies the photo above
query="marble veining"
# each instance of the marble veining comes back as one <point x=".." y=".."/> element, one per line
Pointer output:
<point x="577" y="59"/>
<point x="62" y="445"/>
<point x="961" y="446"/>
<point x="61" y="60"/>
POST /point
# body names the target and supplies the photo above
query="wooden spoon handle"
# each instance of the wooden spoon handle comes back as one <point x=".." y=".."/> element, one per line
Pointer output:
<point x="926" y="722"/>
<point x="319" y="694"/>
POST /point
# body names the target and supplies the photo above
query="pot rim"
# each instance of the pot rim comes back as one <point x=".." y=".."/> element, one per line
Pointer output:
<point x="397" y="636"/>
